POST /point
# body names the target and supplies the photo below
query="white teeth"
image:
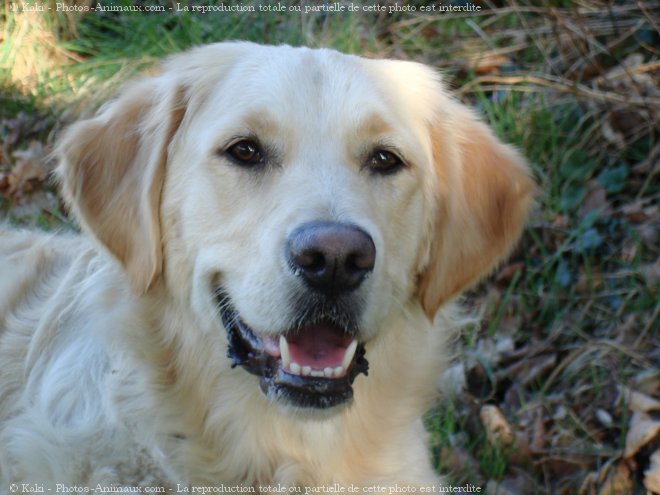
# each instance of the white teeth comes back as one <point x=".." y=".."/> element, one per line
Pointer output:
<point x="348" y="356"/>
<point x="284" y="351"/>
<point x="296" y="369"/>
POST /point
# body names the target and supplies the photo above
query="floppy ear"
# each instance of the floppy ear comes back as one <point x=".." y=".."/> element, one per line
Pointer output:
<point x="485" y="192"/>
<point x="112" y="169"/>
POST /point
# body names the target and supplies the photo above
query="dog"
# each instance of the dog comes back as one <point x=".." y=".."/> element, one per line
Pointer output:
<point x="263" y="294"/>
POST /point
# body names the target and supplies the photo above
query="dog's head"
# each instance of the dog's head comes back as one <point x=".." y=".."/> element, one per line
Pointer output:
<point x="298" y="198"/>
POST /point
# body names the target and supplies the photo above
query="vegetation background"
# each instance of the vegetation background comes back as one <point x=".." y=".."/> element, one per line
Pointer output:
<point x="557" y="389"/>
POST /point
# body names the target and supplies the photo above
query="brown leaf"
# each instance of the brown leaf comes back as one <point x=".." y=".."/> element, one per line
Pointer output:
<point x="539" y="433"/>
<point x="637" y="401"/>
<point x="31" y="165"/>
<point x="634" y="212"/>
<point x="595" y="200"/>
<point x="561" y="222"/>
<point x="498" y="429"/>
<point x="589" y="281"/>
<point x="612" y="136"/>
<point x="506" y="274"/>
<point x="429" y="32"/>
<point x="4" y="181"/>
<point x="489" y="63"/>
<point x="652" y="474"/>
<point x="648" y="381"/>
<point x="643" y="428"/>
<point x="618" y="482"/>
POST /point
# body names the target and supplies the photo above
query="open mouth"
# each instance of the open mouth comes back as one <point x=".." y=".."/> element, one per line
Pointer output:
<point x="311" y="366"/>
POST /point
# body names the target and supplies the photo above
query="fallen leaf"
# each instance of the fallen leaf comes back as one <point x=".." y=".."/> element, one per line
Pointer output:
<point x="452" y="381"/>
<point x="561" y="222"/>
<point x="498" y="429"/>
<point x="31" y="164"/>
<point x="595" y="200"/>
<point x="588" y="282"/>
<point x="618" y="482"/>
<point x="4" y="181"/>
<point x="429" y="32"/>
<point x="612" y="136"/>
<point x="643" y="428"/>
<point x="489" y="63"/>
<point x="652" y="474"/>
<point x="506" y="274"/>
<point x="648" y="381"/>
<point x="637" y="401"/>
<point x="634" y="212"/>
<point x="490" y="350"/>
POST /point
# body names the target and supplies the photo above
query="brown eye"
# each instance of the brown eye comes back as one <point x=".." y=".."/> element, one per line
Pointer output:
<point x="385" y="162"/>
<point x="246" y="153"/>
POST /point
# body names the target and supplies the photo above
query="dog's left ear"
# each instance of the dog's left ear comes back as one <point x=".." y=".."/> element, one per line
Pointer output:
<point x="485" y="192"/>
<point x="112" y="170"/>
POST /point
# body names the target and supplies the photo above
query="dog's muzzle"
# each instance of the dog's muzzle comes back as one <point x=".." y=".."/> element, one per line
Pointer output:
<point x="311" y="367"/>
<point x="313" y="364"/>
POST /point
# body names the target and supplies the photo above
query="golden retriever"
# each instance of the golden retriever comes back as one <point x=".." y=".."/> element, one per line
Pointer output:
<point x="262" y="294"/>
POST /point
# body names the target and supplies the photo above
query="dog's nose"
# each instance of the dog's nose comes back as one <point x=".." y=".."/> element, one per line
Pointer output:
<point x="333" y="258"/>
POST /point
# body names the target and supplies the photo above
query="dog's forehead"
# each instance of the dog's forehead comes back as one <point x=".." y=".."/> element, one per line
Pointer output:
<point x="301" y="84"/>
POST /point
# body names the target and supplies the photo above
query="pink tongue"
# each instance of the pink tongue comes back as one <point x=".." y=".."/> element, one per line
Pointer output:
<point x="318" y="346"/>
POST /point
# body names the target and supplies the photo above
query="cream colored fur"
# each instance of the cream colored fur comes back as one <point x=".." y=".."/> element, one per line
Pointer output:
<point x="113" y="366"/>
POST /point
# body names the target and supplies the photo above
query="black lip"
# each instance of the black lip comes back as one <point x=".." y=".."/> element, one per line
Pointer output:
<point x="245" y="349"/>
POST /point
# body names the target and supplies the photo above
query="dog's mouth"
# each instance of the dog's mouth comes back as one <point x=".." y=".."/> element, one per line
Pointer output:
<point x="311" y="366"/>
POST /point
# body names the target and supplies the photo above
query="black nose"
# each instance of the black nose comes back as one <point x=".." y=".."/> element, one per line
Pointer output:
<point x="333" y="258"/>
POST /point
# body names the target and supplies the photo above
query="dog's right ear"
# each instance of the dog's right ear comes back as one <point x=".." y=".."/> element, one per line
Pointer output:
<point x="112" y="170"/>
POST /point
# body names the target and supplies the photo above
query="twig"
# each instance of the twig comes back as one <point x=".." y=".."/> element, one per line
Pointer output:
<point x="553" y="83"/>
<point x="648" y="15"/>
<point x="648" y="325"/>
<point x="625" y="69"/>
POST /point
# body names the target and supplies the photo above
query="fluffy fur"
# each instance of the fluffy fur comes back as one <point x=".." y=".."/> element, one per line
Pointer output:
<point x="113" y="366"/>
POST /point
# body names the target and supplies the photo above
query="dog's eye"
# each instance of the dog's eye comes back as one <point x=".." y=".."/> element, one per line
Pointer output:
<point x="246" y="152"/>
<point x="385" y="162"/>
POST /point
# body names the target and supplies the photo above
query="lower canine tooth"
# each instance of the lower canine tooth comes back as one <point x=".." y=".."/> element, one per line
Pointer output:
<point x="294" y="368"/>
<point x="328" y="372"/>
<point x="348" y="355"/>
<point x="306" y="370"/>
<point x="339" y="371"/>
<point x="284" y="351"/>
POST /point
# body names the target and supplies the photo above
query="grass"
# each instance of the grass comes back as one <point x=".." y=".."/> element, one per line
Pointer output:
<point x="572" y="316"/>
